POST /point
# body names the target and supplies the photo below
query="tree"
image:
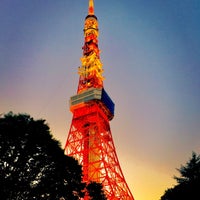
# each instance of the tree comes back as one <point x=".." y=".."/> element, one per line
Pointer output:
<point x="188" y="183"/>
<point x="95" y="191"/>
<point x="191" y="171"/>
<point x="33" y="164"/>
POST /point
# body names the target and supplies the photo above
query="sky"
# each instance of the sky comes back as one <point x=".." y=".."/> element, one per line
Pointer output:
<point x="150" y="52"/>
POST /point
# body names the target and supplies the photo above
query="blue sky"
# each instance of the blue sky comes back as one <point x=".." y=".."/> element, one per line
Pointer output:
<point x="150" y="52"/>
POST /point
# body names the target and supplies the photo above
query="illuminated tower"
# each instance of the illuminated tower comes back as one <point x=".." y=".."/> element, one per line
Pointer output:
<point x="90" y="140"/>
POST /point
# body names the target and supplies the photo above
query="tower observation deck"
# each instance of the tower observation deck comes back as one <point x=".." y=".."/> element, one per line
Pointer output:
<point x="90" y="140"/>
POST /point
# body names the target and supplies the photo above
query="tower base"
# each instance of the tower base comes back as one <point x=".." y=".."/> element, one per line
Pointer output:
<point x="90" y="142"/>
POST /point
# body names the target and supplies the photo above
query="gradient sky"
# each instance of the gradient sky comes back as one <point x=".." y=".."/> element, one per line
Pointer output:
<point x="150" y="50"/>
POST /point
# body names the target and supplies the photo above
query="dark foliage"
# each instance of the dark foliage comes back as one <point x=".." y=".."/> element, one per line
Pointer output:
<point x="95" y="191"/>
<point x="32" y="163"/>
<point x="188" y="183"/>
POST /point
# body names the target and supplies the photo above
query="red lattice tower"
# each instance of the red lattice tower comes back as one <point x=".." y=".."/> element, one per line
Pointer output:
<point x="90" y="140"/>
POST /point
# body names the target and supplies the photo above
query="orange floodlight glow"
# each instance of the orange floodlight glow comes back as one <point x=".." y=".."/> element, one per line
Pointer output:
<point x="91" y="7"/>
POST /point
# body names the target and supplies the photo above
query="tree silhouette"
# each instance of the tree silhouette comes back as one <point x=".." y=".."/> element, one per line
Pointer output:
<point x="33" y="164"/>
<point x="191" y="171"/>
<point x="188" y="184"/>
<point x="95" y="191"/>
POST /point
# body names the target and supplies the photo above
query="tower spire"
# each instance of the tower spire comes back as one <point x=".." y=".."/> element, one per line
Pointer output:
<point x="91" y="69"/>
<point x="91" y="7"/>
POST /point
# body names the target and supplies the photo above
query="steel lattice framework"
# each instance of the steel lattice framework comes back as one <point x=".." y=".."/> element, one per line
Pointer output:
<point x="90" y="140"/>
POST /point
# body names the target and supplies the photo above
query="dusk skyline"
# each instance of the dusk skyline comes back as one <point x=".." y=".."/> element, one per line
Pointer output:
<point x="150" y="52"/>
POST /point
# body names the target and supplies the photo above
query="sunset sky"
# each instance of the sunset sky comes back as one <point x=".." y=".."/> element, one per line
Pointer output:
<point x="150" y="50"/>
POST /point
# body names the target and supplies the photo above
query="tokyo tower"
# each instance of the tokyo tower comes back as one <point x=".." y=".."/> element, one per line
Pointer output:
<point x="90" y="140"/>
